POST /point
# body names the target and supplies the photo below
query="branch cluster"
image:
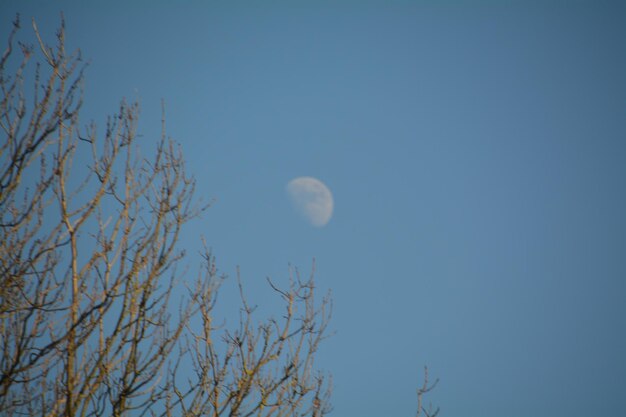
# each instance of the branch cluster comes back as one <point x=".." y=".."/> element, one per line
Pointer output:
<point x="89" y="267"/>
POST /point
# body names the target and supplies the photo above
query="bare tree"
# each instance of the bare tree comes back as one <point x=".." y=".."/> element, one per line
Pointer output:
<point x="89" y="264"/>
<point x="421" y="391"/>
<point x="92" y="318"/>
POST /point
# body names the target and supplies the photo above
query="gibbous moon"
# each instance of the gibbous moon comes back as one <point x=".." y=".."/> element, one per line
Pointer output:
<point x="312" y="199"/>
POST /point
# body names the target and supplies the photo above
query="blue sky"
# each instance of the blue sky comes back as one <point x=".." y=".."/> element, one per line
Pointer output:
<point x="476" y="152"/>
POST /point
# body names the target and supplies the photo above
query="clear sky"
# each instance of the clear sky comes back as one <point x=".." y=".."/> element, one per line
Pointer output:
<point x="476" y="152"/>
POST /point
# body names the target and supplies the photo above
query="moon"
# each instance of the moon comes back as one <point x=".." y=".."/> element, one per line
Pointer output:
<point x="312" y="199"/>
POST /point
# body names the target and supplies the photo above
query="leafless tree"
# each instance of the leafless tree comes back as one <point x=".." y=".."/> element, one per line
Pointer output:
<point x="421" y="391"/>
<point x="89" y="265"/>
<point x="93" y="320"/>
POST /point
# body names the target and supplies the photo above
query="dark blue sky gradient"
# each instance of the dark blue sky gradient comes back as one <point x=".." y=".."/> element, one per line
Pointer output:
<point x="477" y="155"/>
